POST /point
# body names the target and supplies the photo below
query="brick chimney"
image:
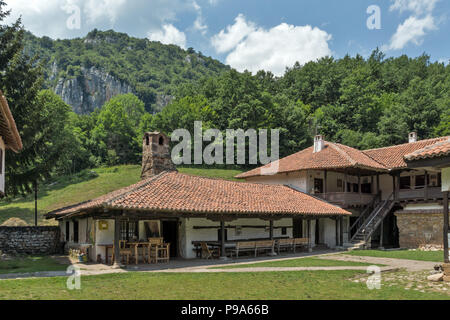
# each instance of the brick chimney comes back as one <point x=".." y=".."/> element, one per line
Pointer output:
<point x="412" y="137"/>
<point x="155" y="154"/>
<point x="318" y="143"/>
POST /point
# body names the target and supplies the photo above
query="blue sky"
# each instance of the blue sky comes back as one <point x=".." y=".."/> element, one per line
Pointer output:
<point x="255" y="34"/>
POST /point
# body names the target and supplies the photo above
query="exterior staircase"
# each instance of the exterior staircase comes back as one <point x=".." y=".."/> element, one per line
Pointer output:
<point x="369" y="220"/>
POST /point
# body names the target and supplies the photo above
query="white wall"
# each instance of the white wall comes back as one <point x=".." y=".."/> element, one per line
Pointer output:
<point x="188" y="233"/>
<point x="446" y="179"/>
<point x="297" y="179"/>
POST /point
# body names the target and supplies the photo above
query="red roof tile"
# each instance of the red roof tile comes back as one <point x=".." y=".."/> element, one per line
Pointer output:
<point x="8" y="129"/>
<point x="180" y="193"/>
<point x="436" y="150"/>
<point x="332" y="156"/>
<point x="393" y="157"/>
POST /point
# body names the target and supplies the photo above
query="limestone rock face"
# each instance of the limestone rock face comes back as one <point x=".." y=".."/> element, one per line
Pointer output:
<point x="90" y="90"/>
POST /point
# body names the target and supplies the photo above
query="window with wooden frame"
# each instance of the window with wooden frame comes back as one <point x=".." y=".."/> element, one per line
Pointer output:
<point x="129" y="230"/>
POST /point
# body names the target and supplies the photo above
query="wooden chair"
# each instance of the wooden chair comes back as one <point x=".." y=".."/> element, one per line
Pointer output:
<point x="208" y="253"/>
<point x="163" y="252"/>
<point x="153" y="249"/>
<point x="123" y="251"/>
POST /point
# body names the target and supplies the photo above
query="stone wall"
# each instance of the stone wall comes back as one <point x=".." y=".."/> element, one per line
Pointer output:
<point x="30" y="240"/>
<point x="420" y="228"/>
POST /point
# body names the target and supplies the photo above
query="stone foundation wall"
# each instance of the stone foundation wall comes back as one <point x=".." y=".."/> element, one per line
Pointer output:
<point x="418" y="229"/>
<point x="30" y="240"/>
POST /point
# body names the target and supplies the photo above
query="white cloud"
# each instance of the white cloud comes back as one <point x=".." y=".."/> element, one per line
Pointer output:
<point x="49" y="17"/>
<point x="412" y="30"/>
<point x="254" y="48"/>
<point x="418" y="7"/>
<point x="100" y="9"/>
<point x="199" y="24"/>
<point x="169" y="35"/>
<point x="416" y="26"/>
<point x="228" y="39"/>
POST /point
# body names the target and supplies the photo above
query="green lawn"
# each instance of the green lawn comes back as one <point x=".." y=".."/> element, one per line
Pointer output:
<point x="401" y="254"/>
<point x="84" y="186"/>
<point x="203" y="286"/>
<point x="30" y="264"/>
<point x="301" y="262"/>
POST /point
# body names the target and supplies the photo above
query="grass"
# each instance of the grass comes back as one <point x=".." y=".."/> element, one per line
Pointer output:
<point x="434" y="256"/>
<point x="30" y="264"/>
<point x="83" y="186"/>
<point x="205" y="286"/>
<point x="301" y="262"/>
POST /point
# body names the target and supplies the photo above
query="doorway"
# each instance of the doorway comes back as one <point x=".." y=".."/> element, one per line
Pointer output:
<point x="170" y="235"/>
<point x="297" y="230"/>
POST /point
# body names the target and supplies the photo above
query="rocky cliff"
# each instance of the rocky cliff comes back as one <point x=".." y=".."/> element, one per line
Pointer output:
<point x="86" y="72"/>
<point x="89" y="90"/>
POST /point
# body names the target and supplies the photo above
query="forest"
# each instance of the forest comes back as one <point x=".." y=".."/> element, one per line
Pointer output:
<point x="363" y="102"/>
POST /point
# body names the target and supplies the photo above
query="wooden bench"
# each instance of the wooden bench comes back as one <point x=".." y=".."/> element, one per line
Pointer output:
<point x="245" y="246"/>
<point x="300" y="242"/>
<point x="264" y="245"/>
<point x="285" y="243"/>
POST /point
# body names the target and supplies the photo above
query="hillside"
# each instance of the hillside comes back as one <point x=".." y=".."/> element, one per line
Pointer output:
<point x="83" y="186"/>
<point x="87" y="72"/>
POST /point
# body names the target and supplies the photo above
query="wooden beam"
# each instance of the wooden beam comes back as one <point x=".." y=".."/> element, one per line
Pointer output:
<point x="445" y="204"/>
<point x="309" y="236"/>
<point x="271" y="230"/>
<point x="222" y="240"/>
<point x="337" y="232"/>
<point x="116" y="243"/>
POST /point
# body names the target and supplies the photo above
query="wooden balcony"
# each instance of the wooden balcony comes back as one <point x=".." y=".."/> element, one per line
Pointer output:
<point x="429" y="193"/>
<point x="347" y="199"/>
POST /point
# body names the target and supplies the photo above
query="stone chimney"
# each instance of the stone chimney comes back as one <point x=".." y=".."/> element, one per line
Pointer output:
<point x="318" y="143"/>
<point x="155" y="154"/>
<point x="412" y="137"/>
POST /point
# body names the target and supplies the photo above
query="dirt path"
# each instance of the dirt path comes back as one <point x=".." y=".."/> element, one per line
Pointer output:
<point x="409" y="265"/>
<point x="201" y="266"/>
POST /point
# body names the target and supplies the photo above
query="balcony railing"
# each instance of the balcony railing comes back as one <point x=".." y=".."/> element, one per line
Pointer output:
<point x="347" y="198"/>
<point x="411" y="194"/>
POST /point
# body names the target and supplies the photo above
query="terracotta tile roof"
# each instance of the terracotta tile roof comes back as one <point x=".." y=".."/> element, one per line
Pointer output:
<point x="173" y="192"/>
<point x="332" y="156"/>
<point x="438" y="149"/>
<point x="393" y="157"/>
<point x="8" y="129"/>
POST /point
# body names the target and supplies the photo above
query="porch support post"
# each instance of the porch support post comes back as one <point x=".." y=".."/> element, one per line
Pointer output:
<point x="397" y="186"/>
<point x="371" y="184"/>
<point x="381" y="234"/>
<point x="271" y="237"/>
<point x="309" y="236"/>
<point x="337" y="231"/>
<point x="345" y="180"/>
<point x="223" y="255"/>
<point x="117" y="263"/>
<point x="271" y="229"/>
<point x="426" y="186"/>
<point x="341" y="231"/>
<point x="325" y="181"/>
<point x="378" y="183"/>
<point x="445" y="210"/>
<point x="359" y="183"/>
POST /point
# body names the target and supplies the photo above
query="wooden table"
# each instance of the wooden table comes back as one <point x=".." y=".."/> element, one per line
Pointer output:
<point x="136" y="245"/>
<point x="107" y="246"/>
